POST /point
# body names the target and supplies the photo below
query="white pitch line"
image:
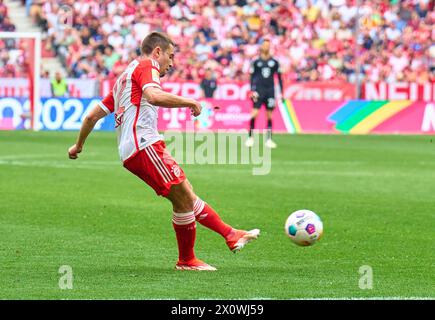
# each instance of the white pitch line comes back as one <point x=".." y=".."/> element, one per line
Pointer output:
<point x="48" y="156"/>
<point x="60" y="164"/>
<point x="369" y="298"/>
<point x="340" y="298"/>
<point x="326" y="162"/>
<point x="354" y="174"/>
<point x="28" y="156"/>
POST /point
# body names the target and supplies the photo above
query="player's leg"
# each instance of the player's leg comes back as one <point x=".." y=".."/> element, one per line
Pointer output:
<point x="254" y="113"/>
<point x="208" y="217"/>
<point x="270" y="106"/>
<point x="182" y="197"/>
<point x="160" y="171"/>
<point x="183" y="221"/>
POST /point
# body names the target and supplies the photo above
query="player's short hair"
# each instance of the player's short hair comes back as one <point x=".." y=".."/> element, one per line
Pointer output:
<point x="156" y="39"/>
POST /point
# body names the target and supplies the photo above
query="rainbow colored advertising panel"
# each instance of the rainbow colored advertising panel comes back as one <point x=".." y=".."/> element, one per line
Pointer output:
<point x="349" y="117"/>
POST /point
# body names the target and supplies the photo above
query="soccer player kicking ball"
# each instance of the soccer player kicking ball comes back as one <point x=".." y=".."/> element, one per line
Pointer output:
<point x="134" y="100"/>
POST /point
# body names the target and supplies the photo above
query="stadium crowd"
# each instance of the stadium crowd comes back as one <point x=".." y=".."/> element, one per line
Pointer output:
<point x="314" y="40"/>
<point x="12" y="51"/>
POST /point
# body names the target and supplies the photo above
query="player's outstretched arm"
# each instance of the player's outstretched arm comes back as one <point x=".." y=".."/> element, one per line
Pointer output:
<point x="253" y="94"/>
<point x="88" y="124"/>
<point x="158" y="97"/>
<point x="281" y="86"/>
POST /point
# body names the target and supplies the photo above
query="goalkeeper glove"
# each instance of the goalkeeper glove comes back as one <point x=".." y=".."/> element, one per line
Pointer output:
<point x="253" y="95"/>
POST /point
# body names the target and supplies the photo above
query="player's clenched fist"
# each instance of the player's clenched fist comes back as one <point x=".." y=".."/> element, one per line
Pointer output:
<point x="73" y="151"/>
<point x="196" y="109"/>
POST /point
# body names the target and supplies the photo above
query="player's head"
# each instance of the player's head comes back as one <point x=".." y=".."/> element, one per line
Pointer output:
<point x="265" y="47"/>
<point x="159" y="47"/>
<point x="58" y="75"/>
<point x="208" y="74"/>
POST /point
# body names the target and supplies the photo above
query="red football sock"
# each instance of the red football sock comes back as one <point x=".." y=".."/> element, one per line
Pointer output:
<point x="206" y="216"/>
<point x="185" y="230"/>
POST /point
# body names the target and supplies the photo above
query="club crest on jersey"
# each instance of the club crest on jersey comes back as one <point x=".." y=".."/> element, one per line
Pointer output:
<point x="119" y="115"/>
<point x="176" y="170"/>
<point x="271" y="63"/>
<point x="265" y="72"/>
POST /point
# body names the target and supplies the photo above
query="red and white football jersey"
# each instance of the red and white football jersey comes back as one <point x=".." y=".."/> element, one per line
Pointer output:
<point x="135" y="117"/>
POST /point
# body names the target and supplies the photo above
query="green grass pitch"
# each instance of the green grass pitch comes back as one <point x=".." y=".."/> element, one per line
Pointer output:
<point x="375" y="195"/>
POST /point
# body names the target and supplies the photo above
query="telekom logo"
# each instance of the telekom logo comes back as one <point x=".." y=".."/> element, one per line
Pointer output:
<point x="174" y="116"/>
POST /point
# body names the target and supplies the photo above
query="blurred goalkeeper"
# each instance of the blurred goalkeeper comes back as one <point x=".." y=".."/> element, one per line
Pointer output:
<point x="134" y="100"/>
<point x="262" y="92"/>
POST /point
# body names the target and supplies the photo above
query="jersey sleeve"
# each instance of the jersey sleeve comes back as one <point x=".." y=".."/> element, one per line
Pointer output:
<point x="108" y="103"/>
<point x="147" y="74"/>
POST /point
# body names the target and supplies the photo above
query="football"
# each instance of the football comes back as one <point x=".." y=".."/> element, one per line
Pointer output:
<point x="304" y="227"/>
